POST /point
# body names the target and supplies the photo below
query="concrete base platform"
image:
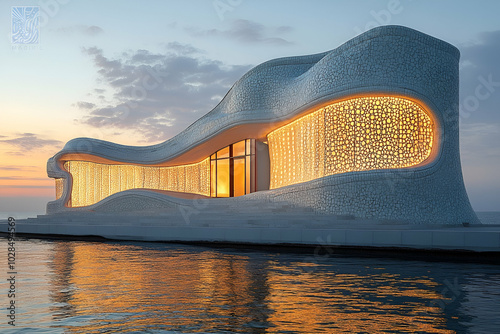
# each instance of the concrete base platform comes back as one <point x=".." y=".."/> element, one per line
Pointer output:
<point x="281" y="229"/>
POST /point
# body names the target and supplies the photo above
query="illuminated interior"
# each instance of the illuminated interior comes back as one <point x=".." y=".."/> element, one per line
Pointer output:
<point x="358" y="134"/>
<point x="232" y="170"/>
<point x="93" y="182"/>
<point x="228" y="172"/>
<point x="59" y="188"/>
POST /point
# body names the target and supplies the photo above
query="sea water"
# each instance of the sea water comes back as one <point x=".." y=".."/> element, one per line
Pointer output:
<point x="63" y="286"/>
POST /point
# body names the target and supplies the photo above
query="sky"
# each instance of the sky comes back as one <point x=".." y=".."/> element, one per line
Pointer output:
<point x="139" y="72"/>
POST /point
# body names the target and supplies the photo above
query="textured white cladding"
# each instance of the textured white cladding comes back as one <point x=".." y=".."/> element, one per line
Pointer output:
<point x="385" y="61"/>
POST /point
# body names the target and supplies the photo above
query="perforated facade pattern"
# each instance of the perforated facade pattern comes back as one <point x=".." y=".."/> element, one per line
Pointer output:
<point x="385" y="62"/>
<point x="93" y="182"/>
<point x="359" y="134"/>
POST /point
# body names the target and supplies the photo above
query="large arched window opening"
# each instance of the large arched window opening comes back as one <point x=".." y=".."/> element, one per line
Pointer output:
<point x="357" y="134"/>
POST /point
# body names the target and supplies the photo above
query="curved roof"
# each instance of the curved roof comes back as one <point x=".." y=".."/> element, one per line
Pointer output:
<point x="275" y="92"/>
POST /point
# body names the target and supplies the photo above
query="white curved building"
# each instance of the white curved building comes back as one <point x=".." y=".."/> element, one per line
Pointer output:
<point x="368" y="131"/>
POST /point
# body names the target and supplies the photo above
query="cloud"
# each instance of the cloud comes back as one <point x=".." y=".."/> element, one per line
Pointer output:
<point x="20" y="178"/>
<point x="184" y="49"/>
<point x="93" y="31"/>
<point x="18" y="168"/>
<point x="25" y="186"/>
<point x="85" y="105"/>
<point x="479" y="119"/>
<point x="157" y="94"/>
<point x="479" y="141"/>
<point x="81" y="29"/>
<point x="480" y="79"/>
<point x="246" y="31"/>
<point x="480" y="159"/>
<point x="480" y="156"/>
<point x="29" y="141"/>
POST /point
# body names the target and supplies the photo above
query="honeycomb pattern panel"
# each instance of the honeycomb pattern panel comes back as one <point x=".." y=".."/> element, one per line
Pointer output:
<point x="93" y="182"/>
<point x="358" y="134"/>
<point x="296" y="150"/>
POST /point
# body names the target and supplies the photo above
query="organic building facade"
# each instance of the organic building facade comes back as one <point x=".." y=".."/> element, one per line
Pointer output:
<point x="369" y="130"/>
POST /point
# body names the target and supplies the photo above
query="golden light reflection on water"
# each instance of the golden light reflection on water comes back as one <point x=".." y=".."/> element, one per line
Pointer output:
<point x="353" y="303"/>
<point x="211" y="291"/>
<point x="94" y="287"/>
<point x="154" y="288"/>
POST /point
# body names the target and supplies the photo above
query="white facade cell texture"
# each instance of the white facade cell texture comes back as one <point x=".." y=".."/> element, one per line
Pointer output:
<point x="368" y="130"/>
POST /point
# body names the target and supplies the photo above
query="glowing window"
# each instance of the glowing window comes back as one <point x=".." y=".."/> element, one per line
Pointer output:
<point x="223" y="153"/>
<point x="239" y="149"/>
<point x="93" y="182"/>
<point x="239" y="176"/>
<point x="359" y="134"/>
<point x="59" y="188"/>
<point x="233" y="170"/>
<point x="223" y="178"/>
<point x="213" y="176"/>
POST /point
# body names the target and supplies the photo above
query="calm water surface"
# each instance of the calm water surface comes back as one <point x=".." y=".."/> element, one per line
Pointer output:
<point x="110" y="287"/>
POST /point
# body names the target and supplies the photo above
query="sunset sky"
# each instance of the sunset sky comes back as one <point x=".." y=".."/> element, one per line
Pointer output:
<point x="94" y="55"/>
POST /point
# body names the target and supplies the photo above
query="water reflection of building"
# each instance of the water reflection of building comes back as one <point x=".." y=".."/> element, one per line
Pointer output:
<point x="62" y="287"/>
<point x="151" y="287"/>
<point x="148" y="286"/>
